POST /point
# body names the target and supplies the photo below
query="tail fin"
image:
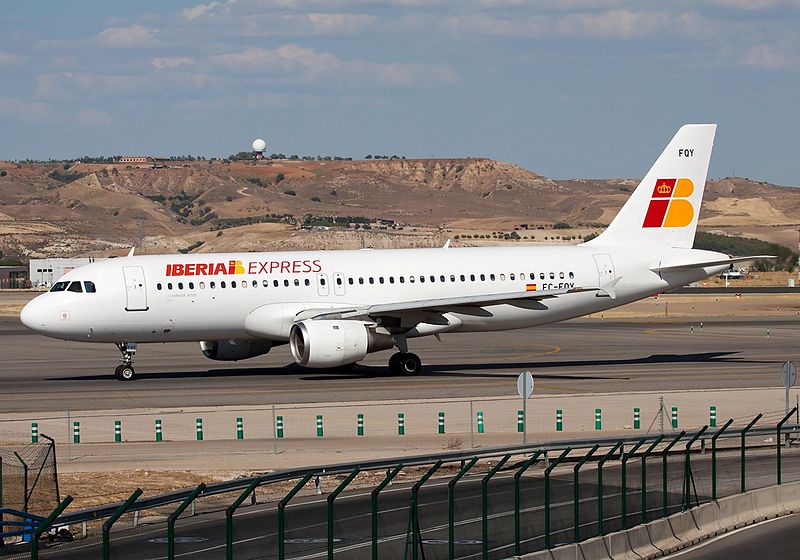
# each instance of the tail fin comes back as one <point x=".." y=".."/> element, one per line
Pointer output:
<point x="663" y="209"/>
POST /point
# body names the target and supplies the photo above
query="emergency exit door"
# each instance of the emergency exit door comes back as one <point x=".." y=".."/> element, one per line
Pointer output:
<point x="135" y="289"/>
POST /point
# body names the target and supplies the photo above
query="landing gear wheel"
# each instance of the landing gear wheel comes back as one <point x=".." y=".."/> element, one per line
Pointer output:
<point x="125" y="372"/>
<point x="405" y="363"/>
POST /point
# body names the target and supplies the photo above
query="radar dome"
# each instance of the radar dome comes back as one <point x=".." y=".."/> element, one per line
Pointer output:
<point x="259" y="145"/>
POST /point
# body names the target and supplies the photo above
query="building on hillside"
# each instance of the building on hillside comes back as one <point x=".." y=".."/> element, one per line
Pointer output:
<point x="43" y="272"/>
<point x="13" y="277"/>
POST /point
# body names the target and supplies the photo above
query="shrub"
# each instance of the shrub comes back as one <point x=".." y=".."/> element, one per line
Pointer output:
<point x="315" y="199"/>
<point x="561" y="225"/>
<point x="289" y="192"/>
<point x="279" y="177"/>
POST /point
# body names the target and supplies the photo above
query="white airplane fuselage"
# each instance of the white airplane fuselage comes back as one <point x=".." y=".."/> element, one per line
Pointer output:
<point x="185" y="307"/>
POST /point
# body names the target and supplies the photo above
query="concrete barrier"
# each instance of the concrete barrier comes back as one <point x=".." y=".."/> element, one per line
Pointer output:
<point x="667" y="535"/>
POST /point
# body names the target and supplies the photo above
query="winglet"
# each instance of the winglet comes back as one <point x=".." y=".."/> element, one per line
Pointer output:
<point x="446" y="244"/>
<point x="130" y="253"/>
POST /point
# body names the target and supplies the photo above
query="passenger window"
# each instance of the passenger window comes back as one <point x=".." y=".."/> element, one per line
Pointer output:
<point x="59" y="286"/>
<point x="350" y="281"/>
<point x="158" y="287"/>
<point x="222" y="284"/>
<point x="472" y="277"/>
<point x="202" y="285"/>
<point x="380" y="279"/>
<point x="89" y="287"/>
<point x="491" y="277"/>
<point x="360" y="280"/>
<point x="552" y="276"/>
<point x="180" y="285"/>
<point x="371" y="280"/>
<point x="191" y="285"/>
<point x="286" y="283"/>
<point x="275" y="283"/>
<point x="338" y="281"/>
<point x="561" y="275"/>
<point x="483" y="277"/>
<point x="212" y="285"/>
<point x="322" y="281"/>
<point x="502" y="277"/>
<point x="391" y="279"/>
<point x="463" y="278"/>
<point x="233" y="283"/>
<point x="402" y="280"/>
<point x="308" y="282"/>
<point x="422" y="279"/>
<point x="75" y="287"/>
<point x="244" y="283"/>
<point x="441" y="278"/>
<point x="169" y="285"/>
<point x="265" y="283"/>
<point x="533" y="276"/>
<point x="297" y="282"/>
<point x="571" y="275"/>
<point x="511" y="276"/>
<point x="411" y="279"/>
<point x="541" y="276"/>
<point x="255" y="283"/>
<point x="452" y="278"/>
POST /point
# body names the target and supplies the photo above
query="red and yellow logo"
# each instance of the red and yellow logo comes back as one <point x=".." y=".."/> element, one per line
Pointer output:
<point x="669" y="206"/>
<point x="205" y="269"/>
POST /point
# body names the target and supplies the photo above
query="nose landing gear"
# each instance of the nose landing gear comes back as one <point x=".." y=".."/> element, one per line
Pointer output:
<point x="125" y="371"/>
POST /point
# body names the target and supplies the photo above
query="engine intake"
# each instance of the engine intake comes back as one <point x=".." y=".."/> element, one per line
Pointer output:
<point x="323" y="343"/>
<point x="233" y="350"/>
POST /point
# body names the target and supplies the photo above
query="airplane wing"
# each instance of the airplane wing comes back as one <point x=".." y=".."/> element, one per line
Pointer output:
<point x="439" y="304"/>
<point x="688" y="266"/>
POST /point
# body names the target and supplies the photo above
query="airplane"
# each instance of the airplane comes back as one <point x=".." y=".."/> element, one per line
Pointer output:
<point x="335" y="307"/>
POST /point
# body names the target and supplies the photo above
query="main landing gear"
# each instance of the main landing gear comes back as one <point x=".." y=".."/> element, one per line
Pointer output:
<point x="404" y="362"/>
<point x="125" y="371"/>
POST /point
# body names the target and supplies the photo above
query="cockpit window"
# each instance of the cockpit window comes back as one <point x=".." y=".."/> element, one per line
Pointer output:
<point x="59" y="286"/>
<point x="89" y="287"/>
<point x="75" y="287"/>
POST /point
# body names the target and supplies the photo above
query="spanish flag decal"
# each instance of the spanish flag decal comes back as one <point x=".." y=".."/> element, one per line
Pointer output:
<point x="669" y="206"/>
<point x="530" y="287"/>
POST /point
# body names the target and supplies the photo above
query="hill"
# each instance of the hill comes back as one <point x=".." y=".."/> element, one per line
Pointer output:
<point x="75" y="209"/>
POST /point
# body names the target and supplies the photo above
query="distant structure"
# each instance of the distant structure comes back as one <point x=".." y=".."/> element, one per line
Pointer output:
<point x="258" y="148"/>
<point x="43" y="272"/>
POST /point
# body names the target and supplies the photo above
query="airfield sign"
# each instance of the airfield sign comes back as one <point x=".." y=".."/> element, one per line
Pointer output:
<point x="525" y="390"/>
<point x="789" y="378"/>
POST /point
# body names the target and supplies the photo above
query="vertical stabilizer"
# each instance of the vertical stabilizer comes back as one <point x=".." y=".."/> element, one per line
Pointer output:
<point x="664" y="208"/>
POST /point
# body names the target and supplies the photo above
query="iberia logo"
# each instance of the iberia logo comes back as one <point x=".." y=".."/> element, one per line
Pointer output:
<point x="210" y="269"/>
<point x="669" y="206"/>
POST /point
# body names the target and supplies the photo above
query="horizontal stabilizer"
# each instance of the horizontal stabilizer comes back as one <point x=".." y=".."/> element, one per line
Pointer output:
<point x="704" y="264"/>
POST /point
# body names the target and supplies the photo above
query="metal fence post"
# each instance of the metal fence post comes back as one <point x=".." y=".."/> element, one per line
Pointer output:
<point x="451" y="514"/>
<point x="779" y="443"/>
<point x="547" y="472"/>
<point x="331" y="497"/>
<point x="644" y="475"/>
<point x="576" y="503"/>
<point x="229" y="511"/>
<point x="485" y="503"/>
<point x="25" y="481"/>
<point x="624" y="480"/>
<point x="744" y="448"/>
<point x="374" y="508"/>
<point x="714" y="458"/>
<point x="415" y="536"/>
<point x="664" y="459"/>
<point x="517" y="479"/>
<point x="600" y="464"/>
<point x="113" y="519"/>
<point x="45" y="525"/>
<point x="687" y="469"/>
<point x="282" y="514"/>
<point x="173" y="517"/>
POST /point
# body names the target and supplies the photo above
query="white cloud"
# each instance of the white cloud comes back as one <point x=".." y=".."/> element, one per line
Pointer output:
<point x="130" y="37"/>
<point x="7" y="58"/>
<point x="307" y="65"/>
<point x="764" y="57"/>
<point x="201" y="10"/>
<point x="13" y="108"/>
<point x="166" y="62"/>
<point x="92" y="117"/>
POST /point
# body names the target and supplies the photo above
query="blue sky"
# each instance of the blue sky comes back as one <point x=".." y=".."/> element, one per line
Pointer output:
<point x="566" y="88"/>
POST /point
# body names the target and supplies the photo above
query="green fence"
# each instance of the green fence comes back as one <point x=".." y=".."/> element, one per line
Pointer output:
<point x="491" y="504"/>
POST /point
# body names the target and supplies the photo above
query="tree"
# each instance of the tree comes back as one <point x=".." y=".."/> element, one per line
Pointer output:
<point x="279" y="177"/>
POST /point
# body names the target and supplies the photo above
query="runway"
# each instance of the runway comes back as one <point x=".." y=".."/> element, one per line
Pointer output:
<point x="582" y="356"/>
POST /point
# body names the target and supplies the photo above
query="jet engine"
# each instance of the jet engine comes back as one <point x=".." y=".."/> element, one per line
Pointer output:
<point x="324" y="343"/>
<point x="233" y="350"/>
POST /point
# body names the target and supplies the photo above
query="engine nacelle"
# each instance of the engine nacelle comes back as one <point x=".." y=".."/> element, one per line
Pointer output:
<point x="323" y="343"/>
<point x="233" y="350"/>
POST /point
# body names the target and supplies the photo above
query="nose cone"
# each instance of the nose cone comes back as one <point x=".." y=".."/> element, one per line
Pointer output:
<point x="33" y="315"/>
